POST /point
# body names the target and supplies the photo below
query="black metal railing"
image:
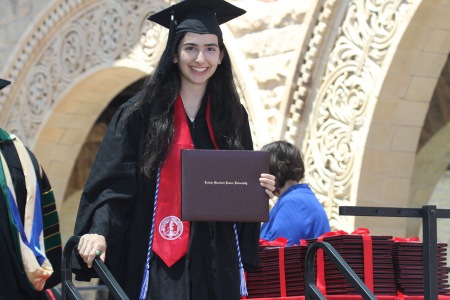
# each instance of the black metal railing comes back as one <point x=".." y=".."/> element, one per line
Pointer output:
<point x="311" y="289"/>
<point x="429" y="215"/>
<point x="70" y="291"/>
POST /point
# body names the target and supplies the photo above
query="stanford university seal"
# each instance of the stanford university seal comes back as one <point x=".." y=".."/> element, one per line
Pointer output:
<point x="171" y="228"/>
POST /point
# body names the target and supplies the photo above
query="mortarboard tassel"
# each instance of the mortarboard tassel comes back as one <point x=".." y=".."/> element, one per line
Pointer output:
<point x="243" y="288"/>
<point x="170" y="38"/>
<point x="173" y="24"/>
<point x="146" y="278"/>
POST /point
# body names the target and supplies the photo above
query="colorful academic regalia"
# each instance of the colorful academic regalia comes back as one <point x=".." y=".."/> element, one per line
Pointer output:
<point x="30" y="241"/>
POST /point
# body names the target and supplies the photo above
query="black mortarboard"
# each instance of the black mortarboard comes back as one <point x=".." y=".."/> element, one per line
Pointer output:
<point x="4" y="83"/>
<point x="198" y="16"/>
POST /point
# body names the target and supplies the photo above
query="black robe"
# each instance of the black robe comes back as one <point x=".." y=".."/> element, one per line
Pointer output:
<point x="13" y="280"/>
<point x="117" y="202"/>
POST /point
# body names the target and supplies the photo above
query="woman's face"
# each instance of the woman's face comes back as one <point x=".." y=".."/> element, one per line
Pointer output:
<point x="198" y="56"/>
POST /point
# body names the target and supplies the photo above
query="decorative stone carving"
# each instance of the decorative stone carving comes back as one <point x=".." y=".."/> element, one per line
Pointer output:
<point x="268" y="37"/>
<point x="77" y="36"/>
<point x="111" y="30"/>
<point x="72" y="52"/>
<point x="340" y="109"/>
<point x="101" y="34"/>
<point x="149" y="46"/>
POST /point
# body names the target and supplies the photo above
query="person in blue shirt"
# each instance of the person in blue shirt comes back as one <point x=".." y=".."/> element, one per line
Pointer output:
<point x="298" y="213"/>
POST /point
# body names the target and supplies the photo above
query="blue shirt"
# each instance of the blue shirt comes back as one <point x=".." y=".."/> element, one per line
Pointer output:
<point x="297" y="215"/>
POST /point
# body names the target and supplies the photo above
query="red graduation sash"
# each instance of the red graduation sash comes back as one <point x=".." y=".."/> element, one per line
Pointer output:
<point x="171" y="237"/>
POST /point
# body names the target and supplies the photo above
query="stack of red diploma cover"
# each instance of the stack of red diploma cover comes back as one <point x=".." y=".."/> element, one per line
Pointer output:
<point x="408" y="265"/>
<point x="370" y="256"/>
<point x="281" y="271"/>
<point x="392" y="268"/>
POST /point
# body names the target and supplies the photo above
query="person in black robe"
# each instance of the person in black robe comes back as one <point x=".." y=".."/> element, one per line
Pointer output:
<point x="116" y="208"/>
<point x="14" y="281"/>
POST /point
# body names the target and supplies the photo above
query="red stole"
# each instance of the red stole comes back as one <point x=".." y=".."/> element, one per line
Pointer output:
<point x="171" y="237"/>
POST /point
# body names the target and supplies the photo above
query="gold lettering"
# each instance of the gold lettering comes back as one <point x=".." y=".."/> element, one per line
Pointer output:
<point x="240" y="182"/>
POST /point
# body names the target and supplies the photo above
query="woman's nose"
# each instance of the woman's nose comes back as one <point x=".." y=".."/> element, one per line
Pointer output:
<point x="200" y="57"/>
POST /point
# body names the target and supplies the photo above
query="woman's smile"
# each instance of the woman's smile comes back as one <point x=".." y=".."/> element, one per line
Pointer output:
<point x="199" y="69"/>
<point x="198" y="56"/>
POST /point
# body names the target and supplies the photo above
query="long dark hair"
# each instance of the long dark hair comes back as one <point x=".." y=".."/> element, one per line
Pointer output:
<point x="157" y="105"/>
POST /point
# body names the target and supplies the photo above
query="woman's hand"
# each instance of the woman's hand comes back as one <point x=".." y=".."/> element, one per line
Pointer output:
<point x="90" y="246"/>
<point x="268" y="182"/>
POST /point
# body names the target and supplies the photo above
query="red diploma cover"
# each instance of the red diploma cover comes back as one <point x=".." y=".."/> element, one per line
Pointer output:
<point x="223" y="185"/>
<point x="368" y="259"/>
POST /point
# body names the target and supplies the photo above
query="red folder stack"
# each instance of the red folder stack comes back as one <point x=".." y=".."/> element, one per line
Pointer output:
<point x="281" y="273"/>
<point x="357" y="255"/>
<point x="408" y="265"/>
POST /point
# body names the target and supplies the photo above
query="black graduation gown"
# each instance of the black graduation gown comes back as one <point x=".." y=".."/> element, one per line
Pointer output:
<point x="117" y="202"/>
<point x="13" y="280"/>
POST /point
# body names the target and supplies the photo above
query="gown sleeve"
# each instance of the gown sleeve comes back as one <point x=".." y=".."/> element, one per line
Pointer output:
<point x="52" y="234"/>
<point x="110" y="189"/>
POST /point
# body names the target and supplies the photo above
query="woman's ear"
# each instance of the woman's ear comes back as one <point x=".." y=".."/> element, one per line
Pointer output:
<point x="222" y="53"/>
<point x="175" y="59"/>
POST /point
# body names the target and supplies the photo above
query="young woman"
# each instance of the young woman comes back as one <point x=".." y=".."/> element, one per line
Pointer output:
<point x="132" y="195"/>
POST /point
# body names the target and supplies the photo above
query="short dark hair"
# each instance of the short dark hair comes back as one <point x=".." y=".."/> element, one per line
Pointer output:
<point x="286" y="162"/>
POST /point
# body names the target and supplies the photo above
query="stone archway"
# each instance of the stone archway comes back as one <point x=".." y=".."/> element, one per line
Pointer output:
<point x="433" y="153"/>
<point x="74" y="61"/>
<point x="429" y="184"/>
<point x="73" y="42"/>
<point x="402" y="104"/>
<point x="64" y="133"/>
<point x="362" y="73"/>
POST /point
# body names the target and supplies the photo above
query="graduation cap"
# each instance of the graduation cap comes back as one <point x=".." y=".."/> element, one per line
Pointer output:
<point x="198" y="16"/>
<point x="4" y="83"/>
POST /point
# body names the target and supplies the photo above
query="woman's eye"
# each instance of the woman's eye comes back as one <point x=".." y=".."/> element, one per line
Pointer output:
<point x="189" y="48"/>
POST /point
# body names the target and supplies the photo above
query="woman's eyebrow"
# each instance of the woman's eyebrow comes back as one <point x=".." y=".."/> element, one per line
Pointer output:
<point x="206" y="45"/>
